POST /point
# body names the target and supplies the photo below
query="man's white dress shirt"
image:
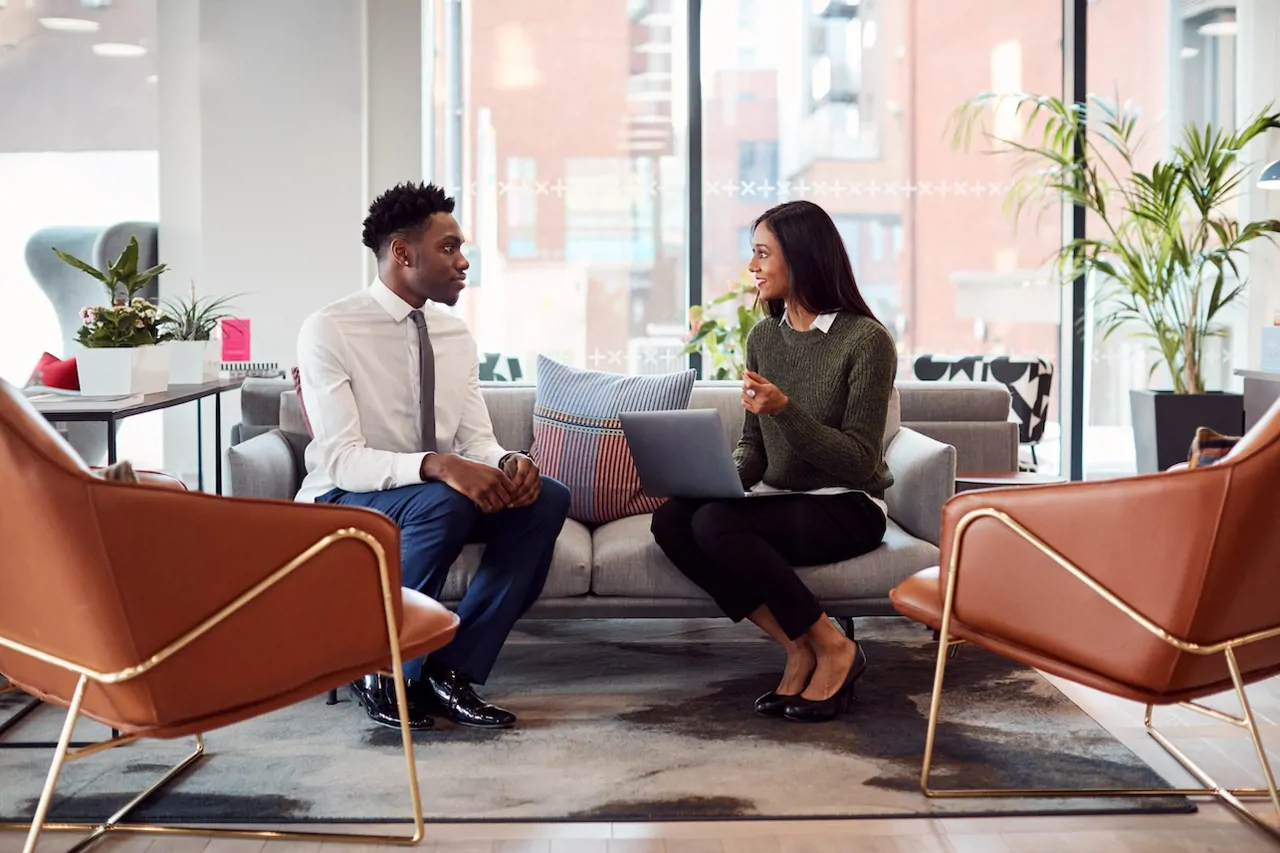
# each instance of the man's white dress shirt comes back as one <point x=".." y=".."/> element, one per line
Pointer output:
<point x="358" y="361"/>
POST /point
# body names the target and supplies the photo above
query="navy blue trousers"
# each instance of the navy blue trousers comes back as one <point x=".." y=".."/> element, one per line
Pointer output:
<point x="435" y="522"/>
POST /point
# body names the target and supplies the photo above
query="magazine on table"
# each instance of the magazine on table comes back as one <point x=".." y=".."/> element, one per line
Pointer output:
<point x="66" y="398"/>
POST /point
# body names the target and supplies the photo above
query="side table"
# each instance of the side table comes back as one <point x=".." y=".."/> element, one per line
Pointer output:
<point x="968" y="481"/>
<point x="70" y="410"/>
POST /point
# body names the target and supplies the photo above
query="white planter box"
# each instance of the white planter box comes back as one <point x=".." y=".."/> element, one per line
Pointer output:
<point x="123" y="370"/>
<point x="193" y="362"/>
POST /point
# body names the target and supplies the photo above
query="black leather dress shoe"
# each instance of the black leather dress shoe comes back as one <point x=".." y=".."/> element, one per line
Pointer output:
<point x="774" y="704"/>
<point x="377" y="695"/>
<point x="451" y="697"/>
<point x="802" y="710"/>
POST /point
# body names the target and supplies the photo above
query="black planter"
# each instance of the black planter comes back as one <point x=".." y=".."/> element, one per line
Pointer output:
<point x="1164" y="423"/>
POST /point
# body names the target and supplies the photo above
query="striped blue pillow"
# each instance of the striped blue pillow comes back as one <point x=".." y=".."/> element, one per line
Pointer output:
<point x="577" y="434"/>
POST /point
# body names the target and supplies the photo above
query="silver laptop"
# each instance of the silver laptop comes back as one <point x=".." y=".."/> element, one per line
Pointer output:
<point x="683" y="454"/>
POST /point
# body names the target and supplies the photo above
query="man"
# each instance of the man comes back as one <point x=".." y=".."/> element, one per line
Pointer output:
<point x="391" y="388"/>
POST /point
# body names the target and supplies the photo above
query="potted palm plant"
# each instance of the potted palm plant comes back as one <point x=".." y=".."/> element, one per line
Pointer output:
<point x="120" y="342"/>
<point x="189" y="328"/>
<point x="1161" y="246"/>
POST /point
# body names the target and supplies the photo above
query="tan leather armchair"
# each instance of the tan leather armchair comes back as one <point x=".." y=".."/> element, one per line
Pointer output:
<point x="212" y="611"/>
<point x="1162" y="589"/>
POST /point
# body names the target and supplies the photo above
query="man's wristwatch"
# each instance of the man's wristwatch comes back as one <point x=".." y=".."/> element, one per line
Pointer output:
<point x="502" y="463"/>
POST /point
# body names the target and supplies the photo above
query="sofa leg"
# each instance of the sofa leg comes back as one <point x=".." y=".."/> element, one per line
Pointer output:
<point x="846" y="625"/>
<point x="333" y="698"/>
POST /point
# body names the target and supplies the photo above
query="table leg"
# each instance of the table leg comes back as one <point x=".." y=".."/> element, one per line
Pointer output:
<point x="111" y="441"/>
<point x="199" y="445"/>
<point x="217" y="443"/>
<point x="18" y="716"/>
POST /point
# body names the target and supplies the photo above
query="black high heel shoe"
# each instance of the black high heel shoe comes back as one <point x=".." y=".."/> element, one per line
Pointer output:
<point x="774" y="704"/>
<point x="802" y="710"/>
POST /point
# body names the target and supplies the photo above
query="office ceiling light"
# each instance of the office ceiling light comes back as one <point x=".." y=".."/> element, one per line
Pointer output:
<point x="119" y="49"/>
<point x="658" y="19"/>
<point x="1270" y="177"/>
<point x="1219" y="28"/>
<point x="1189" y="52"/>
<point x="648" y="132"/>
<point x="70" y="25"/>
<point x="1223" y="25"/>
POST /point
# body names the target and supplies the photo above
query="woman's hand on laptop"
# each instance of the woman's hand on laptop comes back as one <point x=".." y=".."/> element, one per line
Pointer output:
<point x="761" y="396"/>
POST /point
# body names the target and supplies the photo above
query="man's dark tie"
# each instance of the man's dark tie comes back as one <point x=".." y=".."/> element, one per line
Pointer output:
<point x="427" y="381"/>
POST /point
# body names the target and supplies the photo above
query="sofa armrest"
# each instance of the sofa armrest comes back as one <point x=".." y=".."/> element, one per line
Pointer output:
<point x="161" y="480"/>
<point x="924" y="477"/>
<point x="158" y="479"/>
<point x="263" y="467"/>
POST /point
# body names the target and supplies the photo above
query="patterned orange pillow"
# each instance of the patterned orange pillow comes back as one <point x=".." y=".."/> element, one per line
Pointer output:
<point x="297" y="387"/>
<point x="1209" y="447"/>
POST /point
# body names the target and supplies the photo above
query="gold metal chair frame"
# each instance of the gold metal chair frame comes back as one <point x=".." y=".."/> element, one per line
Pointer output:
<point x="113" y="823"/>
<point x="1229" y="796"/>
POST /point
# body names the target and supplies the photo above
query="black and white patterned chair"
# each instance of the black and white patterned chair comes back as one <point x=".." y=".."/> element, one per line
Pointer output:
<point x="1029" y="380"/>
<point x="495" y="367"/>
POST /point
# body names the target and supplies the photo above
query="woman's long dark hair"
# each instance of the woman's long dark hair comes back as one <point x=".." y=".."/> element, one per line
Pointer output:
<point x="821" y="275"/>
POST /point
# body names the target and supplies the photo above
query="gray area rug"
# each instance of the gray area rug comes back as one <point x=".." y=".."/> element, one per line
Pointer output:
<point x="627" y="720"/>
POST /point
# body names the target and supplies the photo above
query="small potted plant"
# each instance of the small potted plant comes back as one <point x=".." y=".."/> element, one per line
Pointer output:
<point x="189" y="328"/>
<point x="718" y="330"/>
<point x="120" y="350"/>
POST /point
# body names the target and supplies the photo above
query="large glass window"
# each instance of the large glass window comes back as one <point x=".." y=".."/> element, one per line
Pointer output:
<point x="855" y="99"/>
<point x="1174" y="62"/>
<point x="562" y="130"/>
<point x="575" y="194"/>
<point x="78" y="153"/>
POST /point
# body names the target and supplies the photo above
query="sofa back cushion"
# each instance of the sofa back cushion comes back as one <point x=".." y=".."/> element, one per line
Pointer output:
<point x="954" y="401"/>
<point x="511" y="410"/>
<point x="293" y="417"/>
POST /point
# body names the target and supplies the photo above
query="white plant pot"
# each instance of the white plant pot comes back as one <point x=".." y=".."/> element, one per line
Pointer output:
<point x="192" y="362"/>
<point x="123" y="370"/>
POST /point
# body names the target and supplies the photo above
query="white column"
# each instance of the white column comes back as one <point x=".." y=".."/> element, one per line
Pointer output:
<point x="394" y="144"/>
<point x="278" y="120"/>
<point x="1258" y="83"/>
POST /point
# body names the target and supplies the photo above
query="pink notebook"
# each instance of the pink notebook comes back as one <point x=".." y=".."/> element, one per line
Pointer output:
<point x="235" y="340"/>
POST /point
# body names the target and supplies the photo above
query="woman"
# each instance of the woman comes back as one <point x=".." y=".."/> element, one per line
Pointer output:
<point x="820" y="371"/>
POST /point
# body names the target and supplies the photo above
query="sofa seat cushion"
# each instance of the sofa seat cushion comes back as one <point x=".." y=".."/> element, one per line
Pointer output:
<point x="626" y="561"/>
<point x="570" y="573"/>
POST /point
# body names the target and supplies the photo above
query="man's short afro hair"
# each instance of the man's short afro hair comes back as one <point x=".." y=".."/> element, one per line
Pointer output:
<point x="403" y="208"/>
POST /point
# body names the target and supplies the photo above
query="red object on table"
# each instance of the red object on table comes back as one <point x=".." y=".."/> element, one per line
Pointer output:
<point x="54" y="372"/>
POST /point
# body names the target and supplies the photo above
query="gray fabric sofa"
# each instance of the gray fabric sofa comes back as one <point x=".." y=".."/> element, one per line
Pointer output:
<point x="616" y="569"/>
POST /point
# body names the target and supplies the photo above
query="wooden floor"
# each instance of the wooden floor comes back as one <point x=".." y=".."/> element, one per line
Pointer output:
<point x="1220" y="748"/>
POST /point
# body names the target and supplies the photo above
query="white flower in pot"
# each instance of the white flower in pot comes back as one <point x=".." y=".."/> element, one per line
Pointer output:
<point x="189" y="329"/>
<point x="120" y="351"/>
